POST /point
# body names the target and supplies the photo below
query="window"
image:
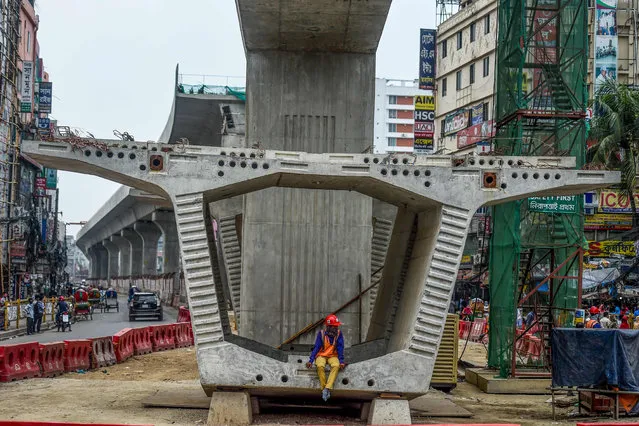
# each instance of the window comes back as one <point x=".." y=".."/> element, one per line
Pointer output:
<point x="444" y="48"/>
<point x="442" y="123"/>
<point x="392" y="141"/>
<point x="471" y="72"/>
<point x="487" y="24"/>
<point x="458" y="80"/>
<point x="472" y="32"/>
<point x="444" y="88"/>
<point x="486" y="66"/>
<point x="459" y="40"/>
<point x="392" y="100"/>
<point x="392" y="113"/>
<point x="485" y="112"/>
<point x="392" y="127"/>
<point x="28" y="41"/>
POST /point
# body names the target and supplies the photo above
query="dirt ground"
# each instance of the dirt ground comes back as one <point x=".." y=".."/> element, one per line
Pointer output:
<point x="115" y="394"/>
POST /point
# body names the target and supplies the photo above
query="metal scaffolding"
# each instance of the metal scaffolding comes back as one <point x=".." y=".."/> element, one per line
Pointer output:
<point x="9" y="127"/>
<point x="540" y="106"/>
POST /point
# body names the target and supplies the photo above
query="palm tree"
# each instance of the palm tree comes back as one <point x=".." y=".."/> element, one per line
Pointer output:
<point x="615" y="127"/>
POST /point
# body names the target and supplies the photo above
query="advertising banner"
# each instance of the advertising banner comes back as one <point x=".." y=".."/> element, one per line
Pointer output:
<point x="559" y="204"/>
<point x="608" y="222"/>
<point x="606" y="42"/>
<point x="611" y="201"/>
<point x="40" y="187"/>
<point x="427" y="59"/>
<point x="456" y="121"/>
<point x="51" y="176"/>
<point x="424" y="124"/>
<point x="611" y="247"/>
<point x="26" y="93"/>
<point x="477" y="114"/>
<point x="476" y="133"/>
<point x="46" y="97"/>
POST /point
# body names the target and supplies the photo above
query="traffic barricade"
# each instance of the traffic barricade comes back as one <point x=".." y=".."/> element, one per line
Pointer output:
<point x="182" y="335"/>
<point x="477" y="329"/>
<point x="77" y="354"/>
<point x="102" y="354"/>
<point x="19" y="362"/>
<point x="464" y="329"/>
<point x="142" y="341"/>
<point x="123" y="344"/>
<point x="52" y="359"/>
<point x="162" y="337"/>
<point x="184" y="315"/>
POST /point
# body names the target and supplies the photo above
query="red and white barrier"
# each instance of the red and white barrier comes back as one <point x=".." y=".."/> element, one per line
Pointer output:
<point x="123" y="344"/>
<point x="142" y="341"/>
<point x="77" y="354"/>
<point x="52" y="359"/>
<point x="18" y="362"/>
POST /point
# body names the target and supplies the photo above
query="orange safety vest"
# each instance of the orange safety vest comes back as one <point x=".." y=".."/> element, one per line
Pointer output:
<point x="591" y="323"/>
<point x="329" y="350"/>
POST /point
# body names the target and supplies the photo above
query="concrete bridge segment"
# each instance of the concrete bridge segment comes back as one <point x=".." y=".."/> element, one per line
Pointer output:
<point x="437" y="193"/>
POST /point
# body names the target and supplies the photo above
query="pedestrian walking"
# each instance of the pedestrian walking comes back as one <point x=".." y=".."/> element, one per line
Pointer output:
<point x="38" y="313"/>
<point x="28" y="312"/>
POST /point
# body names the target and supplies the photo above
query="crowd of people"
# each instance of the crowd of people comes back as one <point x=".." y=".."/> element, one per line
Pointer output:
<point x="610" y="316"/>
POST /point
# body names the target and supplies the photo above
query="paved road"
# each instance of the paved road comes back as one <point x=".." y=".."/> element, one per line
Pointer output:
<point x="105" y="324"/>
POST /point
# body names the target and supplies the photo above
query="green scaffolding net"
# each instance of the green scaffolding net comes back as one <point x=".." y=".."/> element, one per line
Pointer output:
<point x="541" y="98"/>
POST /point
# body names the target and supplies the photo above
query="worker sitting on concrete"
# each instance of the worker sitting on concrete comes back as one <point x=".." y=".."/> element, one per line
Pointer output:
<point x="329" y="347"/>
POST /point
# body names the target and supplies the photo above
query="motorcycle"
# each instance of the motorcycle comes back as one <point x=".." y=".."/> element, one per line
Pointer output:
<point x="64" y="321"/>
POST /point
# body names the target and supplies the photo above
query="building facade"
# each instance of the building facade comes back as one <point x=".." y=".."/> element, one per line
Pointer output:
<point x="394" y="114"/>
<point x="466" y="78"/>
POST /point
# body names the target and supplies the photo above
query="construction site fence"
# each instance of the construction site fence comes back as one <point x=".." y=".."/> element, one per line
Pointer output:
<point x="13" y="317"/>
<point x="169" y="291"/>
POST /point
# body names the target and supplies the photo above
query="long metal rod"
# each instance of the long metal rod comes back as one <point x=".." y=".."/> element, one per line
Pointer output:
<point x="319" y="322"/>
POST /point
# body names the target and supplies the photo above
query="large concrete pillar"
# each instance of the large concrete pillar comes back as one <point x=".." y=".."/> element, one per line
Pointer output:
<point x="113" y="263"/>
<point x="93" y="263"/>
<point x="136" y="250"/>
<point x="102" y="261"/>
<point x="303" y="250"/>
<point x="166" y="222"/>
<point x="124" y="248"/>
<point x="150" y="234"/>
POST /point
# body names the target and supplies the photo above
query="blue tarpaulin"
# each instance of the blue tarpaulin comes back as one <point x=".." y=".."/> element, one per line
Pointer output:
<point x="595" y="357"/>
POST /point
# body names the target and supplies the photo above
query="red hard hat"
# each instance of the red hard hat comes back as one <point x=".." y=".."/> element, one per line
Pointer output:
<point x="61" y="298"/>
<point x="594" y="310"/>
<point x="332" y="320"/>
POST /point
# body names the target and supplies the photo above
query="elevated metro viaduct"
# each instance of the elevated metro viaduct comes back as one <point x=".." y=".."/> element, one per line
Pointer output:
<point x="305" y="194"/>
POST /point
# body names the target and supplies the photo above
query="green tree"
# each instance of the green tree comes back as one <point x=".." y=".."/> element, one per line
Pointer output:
<point x="615" y="127"/>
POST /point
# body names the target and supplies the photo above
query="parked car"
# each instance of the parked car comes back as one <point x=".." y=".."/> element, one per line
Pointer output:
<point x="145" y="305"/>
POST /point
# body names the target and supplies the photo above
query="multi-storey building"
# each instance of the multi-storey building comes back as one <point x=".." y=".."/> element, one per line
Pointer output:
<point x="394" y="114"/>
<point x="465" y="77"/>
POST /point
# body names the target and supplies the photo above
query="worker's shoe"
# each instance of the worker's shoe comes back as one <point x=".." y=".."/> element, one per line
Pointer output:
<point x="326" y="394"/>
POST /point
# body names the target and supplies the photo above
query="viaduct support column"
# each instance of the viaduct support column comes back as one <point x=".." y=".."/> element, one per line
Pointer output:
<point x="124" y="248"/>
<point x="150" y="235"/>
<point x="103" y="261"/>
<point x="93" y="263"/>
<point x="113" y="264"/>
<point x="171" y="259"/>
<point x="135" y="241"/>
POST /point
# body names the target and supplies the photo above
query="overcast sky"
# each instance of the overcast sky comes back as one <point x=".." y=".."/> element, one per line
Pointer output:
<point x="112" y="64"/>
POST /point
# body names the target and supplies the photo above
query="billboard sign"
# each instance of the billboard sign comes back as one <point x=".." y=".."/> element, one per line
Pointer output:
<point x="611" y="201"/>
<point x="456" y="121"/>
<point x="40" y="186"/>
<point x="427" y="59"/>
<point x="51" y="175"/>
<point x="611" y="247"/>
<point x="475" y="134"/>
<point x="26" y="93"/>
<point x="424" y="124"/>
<point x="559" y="204"/>
<point x="608" y="222"/>
<point x="606" y="42"/>
<point x="477" y="114"/>
<point x="46" y="96"/>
